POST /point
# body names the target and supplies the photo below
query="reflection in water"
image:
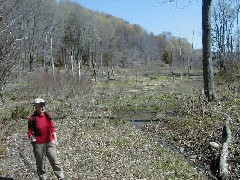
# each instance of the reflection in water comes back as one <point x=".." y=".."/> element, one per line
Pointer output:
<point x="140" y="119"/>
<point x="140" y="123"/>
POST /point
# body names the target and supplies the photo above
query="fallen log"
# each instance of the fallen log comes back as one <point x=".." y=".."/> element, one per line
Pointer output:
<point x="215" y="159"/>
<point x="226" y="141"/>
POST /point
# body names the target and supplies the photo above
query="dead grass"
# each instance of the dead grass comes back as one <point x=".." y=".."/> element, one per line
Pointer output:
<point x="97" y="144"/>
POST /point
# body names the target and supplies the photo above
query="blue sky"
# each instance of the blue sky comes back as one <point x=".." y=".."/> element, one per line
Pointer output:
<point x="155" y="16"/>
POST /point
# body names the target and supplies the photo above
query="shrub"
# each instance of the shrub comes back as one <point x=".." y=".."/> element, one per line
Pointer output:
<point x="20" y="112"/>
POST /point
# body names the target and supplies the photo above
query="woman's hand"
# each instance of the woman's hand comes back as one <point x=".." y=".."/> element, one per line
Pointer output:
<point x="56" y="143"/>
<point x="33" y="139"/>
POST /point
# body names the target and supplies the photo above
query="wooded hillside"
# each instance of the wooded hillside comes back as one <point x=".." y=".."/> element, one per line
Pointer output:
<point x="66" y="35"/>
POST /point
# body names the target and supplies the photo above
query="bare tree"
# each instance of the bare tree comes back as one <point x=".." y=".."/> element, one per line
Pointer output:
<point x="225" y="33"/>
<point x="10" y="25"/>
<point x="207" y="50"/>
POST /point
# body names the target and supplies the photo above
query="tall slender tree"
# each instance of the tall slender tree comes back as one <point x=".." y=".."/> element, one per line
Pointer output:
<point x="207" y="52"/>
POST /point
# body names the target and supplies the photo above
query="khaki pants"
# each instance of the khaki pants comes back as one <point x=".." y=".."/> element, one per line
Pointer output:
<point x="49" y="150"/>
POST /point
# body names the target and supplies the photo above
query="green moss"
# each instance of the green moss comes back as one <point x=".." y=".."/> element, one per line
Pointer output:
<point x="161" y="102"/>
<point x="117" y="122"/>
<point x="2" y="150"/>
<point x="121" y="142"/>
<point x="158" y="78"/>
<point x="116" y="83"/>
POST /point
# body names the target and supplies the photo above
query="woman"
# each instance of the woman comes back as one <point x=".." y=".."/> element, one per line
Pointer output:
<point x="42" y="133"/>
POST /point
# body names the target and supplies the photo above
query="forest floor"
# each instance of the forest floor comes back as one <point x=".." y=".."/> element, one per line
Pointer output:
<point x="127" y="127"/>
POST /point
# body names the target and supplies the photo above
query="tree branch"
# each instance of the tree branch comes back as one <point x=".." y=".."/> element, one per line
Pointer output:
<point x="227" y="140"/>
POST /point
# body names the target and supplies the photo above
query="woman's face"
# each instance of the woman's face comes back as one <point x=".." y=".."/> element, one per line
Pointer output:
<point x="40" y="107"/>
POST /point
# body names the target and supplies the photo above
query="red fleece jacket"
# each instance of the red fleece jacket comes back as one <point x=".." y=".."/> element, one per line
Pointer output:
<point x="45" y="128"/>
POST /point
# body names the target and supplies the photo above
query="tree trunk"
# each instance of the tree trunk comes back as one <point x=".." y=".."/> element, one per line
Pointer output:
<point x="1" y="23"/>
<point x="172" y="71"/>
<point x="71" y="60"/>
<point x="101" y="62"/>
<point x="79" y="65"/>
<point x="31" y="60"/>
<point x="207" y="55"/>
<point x="45" y="53"/>
<point x="52" y="60"/>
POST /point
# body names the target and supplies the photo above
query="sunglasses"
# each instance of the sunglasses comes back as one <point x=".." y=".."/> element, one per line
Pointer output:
<point x="42" y="104"/>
